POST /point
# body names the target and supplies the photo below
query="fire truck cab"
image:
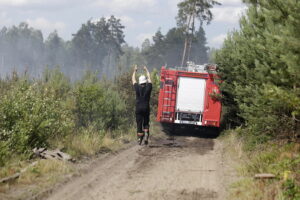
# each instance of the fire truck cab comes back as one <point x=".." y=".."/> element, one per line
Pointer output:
<point x="189" y="96"/>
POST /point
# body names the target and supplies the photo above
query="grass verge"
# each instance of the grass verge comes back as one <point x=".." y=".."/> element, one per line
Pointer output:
<point x="280" y="158"/>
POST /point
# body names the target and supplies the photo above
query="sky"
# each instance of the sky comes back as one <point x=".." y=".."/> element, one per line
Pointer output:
<point x="141" y="18"/>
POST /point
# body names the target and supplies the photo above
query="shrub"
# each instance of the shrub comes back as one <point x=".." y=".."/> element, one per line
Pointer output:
<point x="56" y="80"/>
<point x="98" y="105"/>
<point x="29" y="117"/>
<point x="36" y="113"/>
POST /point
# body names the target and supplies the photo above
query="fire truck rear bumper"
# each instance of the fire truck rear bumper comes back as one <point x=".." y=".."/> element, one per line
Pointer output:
<point x="188" y="122"/>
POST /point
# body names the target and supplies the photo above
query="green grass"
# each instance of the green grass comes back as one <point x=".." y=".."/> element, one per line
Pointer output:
<point x="277" y="157"/>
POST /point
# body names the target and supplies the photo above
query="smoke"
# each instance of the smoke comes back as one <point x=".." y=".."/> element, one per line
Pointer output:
<point x="97" y="46"/>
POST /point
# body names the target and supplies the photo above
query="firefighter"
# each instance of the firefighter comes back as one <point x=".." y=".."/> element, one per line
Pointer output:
<point x="142" y="108"/>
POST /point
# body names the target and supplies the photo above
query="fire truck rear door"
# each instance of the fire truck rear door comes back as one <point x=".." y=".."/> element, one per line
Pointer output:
<point x="190" y="94"/>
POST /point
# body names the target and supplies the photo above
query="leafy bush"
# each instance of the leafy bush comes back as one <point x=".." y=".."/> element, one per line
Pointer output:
<point x="37" y="113"/>
<point x="29" y="117"/>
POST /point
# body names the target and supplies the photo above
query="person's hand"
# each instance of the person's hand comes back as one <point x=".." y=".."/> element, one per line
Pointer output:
<point x="135" y="68"/>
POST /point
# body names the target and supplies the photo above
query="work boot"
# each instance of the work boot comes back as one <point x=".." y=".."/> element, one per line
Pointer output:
<point x="146" y="142"/>
<point x="146" y="138"/>
<point x="140" y="138"/>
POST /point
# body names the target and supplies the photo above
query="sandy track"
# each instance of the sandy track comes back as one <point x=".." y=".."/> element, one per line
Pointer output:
<point x="177" y="167"/>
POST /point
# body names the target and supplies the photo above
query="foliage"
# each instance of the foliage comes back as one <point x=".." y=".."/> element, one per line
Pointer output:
<point x="189" y="11"/>
<point x="291" y="190"/>
<point x="167" y="49"/>
<point x="155" y="91"/>
<point x="85" y="142"/>
<point x="34" y="113"/>
<point x="56" y="50"/>
<point x="199" y="9"/>
<point x="21" y="42"/>
<point x="131" y="56"/>
<point x="155" y="53"/>
<point x="96" y="45"/>
<point x="31" y="115"/>
<point x="59" y="83"/>
<point x="259" y="66"/>
<point x="124" y="87"/>
<point x="279" y="158"/>
<point x="98" y="105"/>
<point x="199" y="50"/>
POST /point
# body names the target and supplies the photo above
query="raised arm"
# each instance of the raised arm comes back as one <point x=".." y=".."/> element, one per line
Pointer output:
<point x="133" y="75"/>
<point x="148" y="74"/>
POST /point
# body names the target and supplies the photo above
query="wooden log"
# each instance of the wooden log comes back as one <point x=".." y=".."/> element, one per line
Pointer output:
<point x="264" y="176"/>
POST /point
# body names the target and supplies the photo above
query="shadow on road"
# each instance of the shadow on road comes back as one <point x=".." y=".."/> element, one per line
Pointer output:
<point x="190" y="131"/>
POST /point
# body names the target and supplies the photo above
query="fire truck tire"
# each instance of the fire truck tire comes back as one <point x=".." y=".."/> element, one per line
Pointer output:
<point x="214" y="131"/>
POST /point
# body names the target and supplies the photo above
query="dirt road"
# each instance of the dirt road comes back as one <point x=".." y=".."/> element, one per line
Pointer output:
<point x="170" y="168"/>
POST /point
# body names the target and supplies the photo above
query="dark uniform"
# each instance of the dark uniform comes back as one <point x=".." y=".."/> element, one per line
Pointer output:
<point x="142" y="109"/>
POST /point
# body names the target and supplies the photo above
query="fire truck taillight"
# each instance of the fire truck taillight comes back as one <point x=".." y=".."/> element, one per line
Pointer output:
<point x="211" y="123"/>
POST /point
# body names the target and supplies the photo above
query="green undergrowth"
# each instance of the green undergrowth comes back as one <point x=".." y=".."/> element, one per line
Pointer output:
<point x="281" y="158"/>
<point x="53" y="112"/>
<point x="84" y="118"/>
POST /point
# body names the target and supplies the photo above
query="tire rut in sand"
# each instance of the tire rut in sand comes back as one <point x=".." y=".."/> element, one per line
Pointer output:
<point x="162" y="149"/>
<point x="170" y="168"/>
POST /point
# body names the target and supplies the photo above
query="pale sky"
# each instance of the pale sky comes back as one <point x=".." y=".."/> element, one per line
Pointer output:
<point x="142" y="18"/>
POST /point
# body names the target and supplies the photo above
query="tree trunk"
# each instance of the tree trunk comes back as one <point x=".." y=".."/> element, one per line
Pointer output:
<point x="186" y="41"/>
<point x="190" y="38"/>
<point x="184" y="52"/>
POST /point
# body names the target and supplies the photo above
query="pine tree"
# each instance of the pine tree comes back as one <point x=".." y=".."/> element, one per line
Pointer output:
<point x="199" y="50"/>
<point x="55" y="50"/>
<point x="190" y="11"/>
<point x="155" y="54"/>
<point x="259" y="66"/>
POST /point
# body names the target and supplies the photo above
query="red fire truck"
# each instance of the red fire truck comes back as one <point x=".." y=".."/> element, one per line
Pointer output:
<point x="189" y="96"/>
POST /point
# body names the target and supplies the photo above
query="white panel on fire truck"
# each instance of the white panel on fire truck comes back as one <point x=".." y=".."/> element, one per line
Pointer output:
<point x="190" y="94"/>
